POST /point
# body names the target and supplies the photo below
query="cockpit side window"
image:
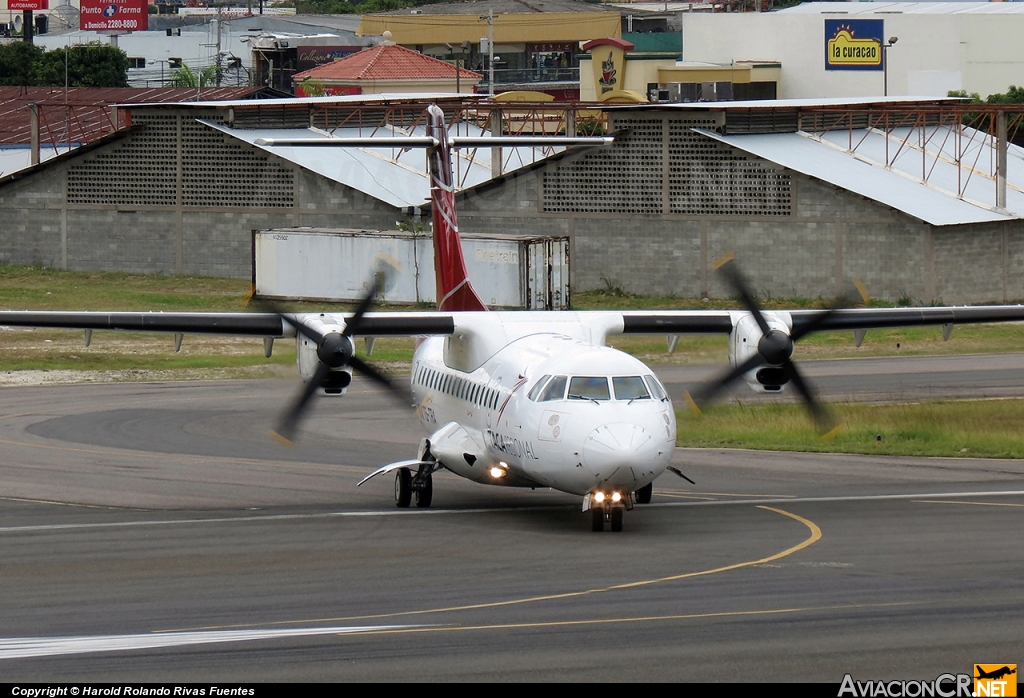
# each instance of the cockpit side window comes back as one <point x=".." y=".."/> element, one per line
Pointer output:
<point x="535" y="391"/>
<point x="630" y="388"/>
<point x="554" y="390"/>
<point x="657" y="389"/>
<point x="589" y="388"/>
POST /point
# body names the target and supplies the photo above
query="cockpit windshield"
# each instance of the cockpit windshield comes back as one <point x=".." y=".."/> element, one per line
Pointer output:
<point x="589" y="388"/>
<point x="554" y="390"/>
<point x="630" y="388"/>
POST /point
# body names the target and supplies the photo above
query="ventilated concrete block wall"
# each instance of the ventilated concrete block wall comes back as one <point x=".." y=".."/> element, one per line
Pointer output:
<point x="653" y="213"/>
<point x="174" y="196"/>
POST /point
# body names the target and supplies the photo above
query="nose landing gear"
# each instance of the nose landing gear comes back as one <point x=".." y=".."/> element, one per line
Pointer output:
<point x="613" y="515"/>
<point x="605" y="507"/>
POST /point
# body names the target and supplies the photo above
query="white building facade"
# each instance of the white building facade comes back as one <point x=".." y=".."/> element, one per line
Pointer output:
<point x="941" y="46"/>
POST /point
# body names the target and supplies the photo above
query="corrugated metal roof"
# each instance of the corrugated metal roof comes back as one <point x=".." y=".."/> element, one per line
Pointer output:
<point x="88" y="115"/>
<point x="901" y="186"/>
<point x="397" y="177"/>
<point x="907" y="8"/>
<point x="386" y="62"/>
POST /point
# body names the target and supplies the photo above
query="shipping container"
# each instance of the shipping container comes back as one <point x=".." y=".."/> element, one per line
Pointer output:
<point x="508" y="271"/>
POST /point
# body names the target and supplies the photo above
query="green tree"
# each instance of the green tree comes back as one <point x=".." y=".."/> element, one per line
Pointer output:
<point x="1015" y="95"/>
<point x="16" y="61"/>
<point x="312" y="87"/>
<point x="184" y="77"/>
<point x="84" y="65"/>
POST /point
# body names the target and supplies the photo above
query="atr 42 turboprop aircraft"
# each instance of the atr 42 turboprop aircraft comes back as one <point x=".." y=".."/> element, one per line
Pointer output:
<point x="526" y="399"/>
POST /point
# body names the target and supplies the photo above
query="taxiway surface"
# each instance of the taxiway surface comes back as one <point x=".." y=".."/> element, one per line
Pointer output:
<point x="154" y="532"/>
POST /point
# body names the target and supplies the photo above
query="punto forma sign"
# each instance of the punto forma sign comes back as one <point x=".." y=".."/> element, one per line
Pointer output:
<point x="114" y="15"/>
<point x="853" y="44"/>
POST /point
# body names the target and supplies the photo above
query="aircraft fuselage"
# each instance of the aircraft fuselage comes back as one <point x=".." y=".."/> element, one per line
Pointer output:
<point x="549" y="410"/>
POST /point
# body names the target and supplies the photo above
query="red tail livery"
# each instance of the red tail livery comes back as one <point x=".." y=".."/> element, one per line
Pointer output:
<point x="454" y="290"/>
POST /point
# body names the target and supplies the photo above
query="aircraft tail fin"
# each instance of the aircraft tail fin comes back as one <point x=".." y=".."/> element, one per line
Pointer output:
<point x="454" y="289"/>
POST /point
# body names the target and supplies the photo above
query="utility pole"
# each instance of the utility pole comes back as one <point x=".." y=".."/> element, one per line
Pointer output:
<point x="490" y="50"/>
<point x="220" y="10"/>
<point x="1001" y="152"/>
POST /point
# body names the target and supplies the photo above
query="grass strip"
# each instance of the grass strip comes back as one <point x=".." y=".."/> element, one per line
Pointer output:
<point x="961" y="428"/>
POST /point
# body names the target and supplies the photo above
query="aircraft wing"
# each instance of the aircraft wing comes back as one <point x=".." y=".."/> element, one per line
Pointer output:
<point x="721" y="321"/>
<point x="241" y="324"/>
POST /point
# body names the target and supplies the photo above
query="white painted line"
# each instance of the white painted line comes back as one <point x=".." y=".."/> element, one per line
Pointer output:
<point x="21" y="647"/>
<point x="269" y="517"/>
<point x="444" y="512"/>
<point x="844" y="498"/>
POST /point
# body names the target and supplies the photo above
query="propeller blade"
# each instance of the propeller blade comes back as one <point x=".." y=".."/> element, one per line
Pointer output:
<point x="380" y="378"/>
<point x="352" y="324"/>
<point x="708" y="392"/>
<point x="842" y="301"/>
<point x="823" y="420"/>
<point x="285" y="432"/>
<point x="740" y="287"/>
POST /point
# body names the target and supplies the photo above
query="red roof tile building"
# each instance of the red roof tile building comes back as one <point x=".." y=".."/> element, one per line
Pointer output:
<point x="386" y="67"/>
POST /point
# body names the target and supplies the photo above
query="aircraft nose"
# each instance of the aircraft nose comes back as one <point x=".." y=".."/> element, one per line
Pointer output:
<point x="613" y="446"/>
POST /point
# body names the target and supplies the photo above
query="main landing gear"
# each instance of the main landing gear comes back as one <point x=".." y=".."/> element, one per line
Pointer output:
<point x="422" y="485"/>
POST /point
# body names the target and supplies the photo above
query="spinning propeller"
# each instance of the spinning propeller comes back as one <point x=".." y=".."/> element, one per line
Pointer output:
<point x="334" y="350"/>
<point x="774" y="348"/>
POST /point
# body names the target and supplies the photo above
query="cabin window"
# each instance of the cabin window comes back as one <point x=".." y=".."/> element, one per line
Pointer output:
<point x="535" y="391"/>
<point x="630" y="388"/>
<point x="554" y="390"/>
<point x="589" y="388"/>
<point x="657" y="389"/>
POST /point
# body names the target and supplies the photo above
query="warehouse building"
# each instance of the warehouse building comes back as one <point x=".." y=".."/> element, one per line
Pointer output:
<point x="809" y="194"/>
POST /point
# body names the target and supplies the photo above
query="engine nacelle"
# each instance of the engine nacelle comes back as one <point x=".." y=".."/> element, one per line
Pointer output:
<point x="308" y="361"/>
<point x="743" y="344"/>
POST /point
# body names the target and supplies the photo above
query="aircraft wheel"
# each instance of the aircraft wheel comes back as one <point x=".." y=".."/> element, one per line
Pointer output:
<point x="643" y="495"/>
<point x="426" y="493"/>
<point x="403" y="487"/>
<point x="597" y="519"/>
<point x="617" y="513"/>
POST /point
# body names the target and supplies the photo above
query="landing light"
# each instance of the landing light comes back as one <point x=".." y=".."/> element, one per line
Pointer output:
<point x="497" y="472"/>
<point x="599" y="497"/>
<point x="616" y="497"/>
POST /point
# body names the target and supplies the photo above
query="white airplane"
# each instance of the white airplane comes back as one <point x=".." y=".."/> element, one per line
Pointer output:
<point x="526" y="399"/>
